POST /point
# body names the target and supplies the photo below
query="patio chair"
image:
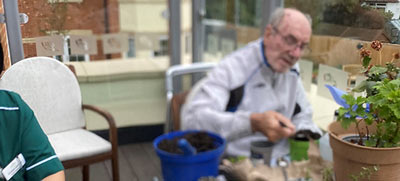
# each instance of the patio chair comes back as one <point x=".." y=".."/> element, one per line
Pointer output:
<point x="52" y="92"/>
<point x="176" y="100"/>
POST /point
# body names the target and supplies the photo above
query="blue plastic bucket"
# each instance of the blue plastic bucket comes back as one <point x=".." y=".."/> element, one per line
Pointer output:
<point x="177" y="167"/>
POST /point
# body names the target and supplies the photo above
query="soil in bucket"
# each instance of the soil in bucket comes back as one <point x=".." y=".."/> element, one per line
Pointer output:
<point x="177" y="166"/>
<point x="199" y="140"/>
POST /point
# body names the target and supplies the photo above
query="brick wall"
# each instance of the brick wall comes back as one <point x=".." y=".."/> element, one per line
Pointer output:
<point x="88" y="15"/>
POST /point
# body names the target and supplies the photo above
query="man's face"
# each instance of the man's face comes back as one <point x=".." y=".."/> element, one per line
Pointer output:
<point x="285" y="44"/>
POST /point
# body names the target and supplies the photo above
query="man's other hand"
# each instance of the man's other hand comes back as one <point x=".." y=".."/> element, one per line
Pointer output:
<point x="272" y="124"/>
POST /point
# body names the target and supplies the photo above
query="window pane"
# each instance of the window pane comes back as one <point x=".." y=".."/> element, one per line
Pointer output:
<point x="230" y="24"/>
<point x="340" y="26"/>
<point x="124" y="20"/>
<point x="125" y="73"/>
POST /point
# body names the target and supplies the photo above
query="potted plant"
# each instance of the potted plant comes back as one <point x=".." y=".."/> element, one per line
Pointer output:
<point x="366" y="138"/>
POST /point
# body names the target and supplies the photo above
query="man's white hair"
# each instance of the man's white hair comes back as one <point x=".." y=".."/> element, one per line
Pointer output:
<point x="278" y="14"/>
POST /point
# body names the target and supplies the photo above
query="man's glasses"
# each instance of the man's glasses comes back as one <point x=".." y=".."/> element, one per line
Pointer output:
<point x="293" y="43"/>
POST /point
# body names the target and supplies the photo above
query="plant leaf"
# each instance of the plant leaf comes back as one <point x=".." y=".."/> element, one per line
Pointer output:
<point x="360" y="87"/>
<point x="370" y="142"/>
<point x="396" y="109"/>
<point x="350" y="100"/>
<point x="396" y="82"/>
<point x="377" y="70"/>
<point x="345" y="123"/>
<point x="366" y="61"/>
<point x="370" y="87"/>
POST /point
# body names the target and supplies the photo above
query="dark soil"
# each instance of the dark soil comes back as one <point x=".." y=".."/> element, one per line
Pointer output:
<point x="356" y="140"/>
<point x="200" y="140"/>
<point x="305" y="135"/>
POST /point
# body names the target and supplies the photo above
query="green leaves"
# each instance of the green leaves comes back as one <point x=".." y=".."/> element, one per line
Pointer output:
<point x="387" y="101"/>
<point x="370" y="143"/>
<point x="377" y="70"/>
<point x="385" y="111"/>
<point x="350" y="100"/>
<point x="381" y="105"/>
<point x="360" y="87"/>
<point x="396" y="82"/>
<point x="356" y="110"/>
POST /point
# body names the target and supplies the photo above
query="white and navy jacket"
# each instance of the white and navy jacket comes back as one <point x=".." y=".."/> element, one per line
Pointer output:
<point x="241" y="84"/>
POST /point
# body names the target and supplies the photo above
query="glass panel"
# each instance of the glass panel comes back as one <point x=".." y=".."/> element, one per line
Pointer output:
<point x="125" y="72"/>
<point x="230" y="24"/>
<point x="341" y="27"/>
<point x="136" y="31"/>
<point x="145" y="23"/>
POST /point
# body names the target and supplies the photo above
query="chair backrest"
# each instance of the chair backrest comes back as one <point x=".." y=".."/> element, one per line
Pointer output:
<point x="50" y="89"/>
<point x="174" y="102"/>
<point x="177" y="102"/>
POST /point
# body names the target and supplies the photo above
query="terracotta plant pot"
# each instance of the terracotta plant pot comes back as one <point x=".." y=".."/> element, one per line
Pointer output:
<point x="349" y="159"/>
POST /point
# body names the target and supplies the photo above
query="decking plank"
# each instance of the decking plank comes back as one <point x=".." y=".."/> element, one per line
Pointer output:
<point x="137" y="162"/>
<point x="141" y="162"/>
<point x="126" y="172"/>
<point x="148" y="147"/>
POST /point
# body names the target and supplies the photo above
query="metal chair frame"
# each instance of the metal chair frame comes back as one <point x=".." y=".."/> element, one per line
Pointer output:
<point x="170" y="74"/>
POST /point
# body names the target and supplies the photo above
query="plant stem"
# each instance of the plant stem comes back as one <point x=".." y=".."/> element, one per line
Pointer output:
<point x="359" y="133"/>
<point x="378" y="142"/>
<point x="378" y="131"/>
<point x="395" y="133"/>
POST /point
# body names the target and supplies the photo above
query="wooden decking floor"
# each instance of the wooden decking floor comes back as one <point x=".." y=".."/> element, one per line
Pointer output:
<point x="137" y="162"/>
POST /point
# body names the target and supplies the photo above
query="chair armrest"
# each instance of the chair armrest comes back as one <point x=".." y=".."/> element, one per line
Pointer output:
<point x="113" y="135"/>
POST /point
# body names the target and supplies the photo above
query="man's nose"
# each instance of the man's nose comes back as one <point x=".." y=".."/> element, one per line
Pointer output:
<point x="296" y="52"/>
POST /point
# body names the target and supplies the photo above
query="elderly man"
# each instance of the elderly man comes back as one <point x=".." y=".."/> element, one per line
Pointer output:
<point x="255" y="93"/>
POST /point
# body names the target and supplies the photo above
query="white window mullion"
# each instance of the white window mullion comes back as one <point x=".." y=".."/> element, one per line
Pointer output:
<point x="66" y="51"/>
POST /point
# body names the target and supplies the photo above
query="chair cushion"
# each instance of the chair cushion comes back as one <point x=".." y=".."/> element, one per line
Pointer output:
<point x="77" y="143"/>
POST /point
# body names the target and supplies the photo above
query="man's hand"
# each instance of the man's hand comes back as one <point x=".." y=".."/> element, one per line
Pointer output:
<point x="272" y="124"/>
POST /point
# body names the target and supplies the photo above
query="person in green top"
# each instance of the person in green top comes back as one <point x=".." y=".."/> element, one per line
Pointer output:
<point x="25" y="151"/>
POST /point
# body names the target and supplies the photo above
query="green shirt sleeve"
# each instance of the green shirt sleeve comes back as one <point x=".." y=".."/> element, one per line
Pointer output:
<point x="41" y="160"/>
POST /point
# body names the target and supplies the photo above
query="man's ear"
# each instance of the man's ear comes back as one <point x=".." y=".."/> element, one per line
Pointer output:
<point x="267" y="31"/>
<point x="267" y="34"/>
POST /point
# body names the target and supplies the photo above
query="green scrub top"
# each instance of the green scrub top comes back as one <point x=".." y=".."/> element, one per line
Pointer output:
<point x="20" y="132"/>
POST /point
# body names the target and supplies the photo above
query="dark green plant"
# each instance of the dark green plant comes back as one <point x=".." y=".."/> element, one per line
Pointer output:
<point x="380" y="107"/>
<point x="244" y="12"/>
<point x="314" y="8"/>
<point x="353" y="14"/>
